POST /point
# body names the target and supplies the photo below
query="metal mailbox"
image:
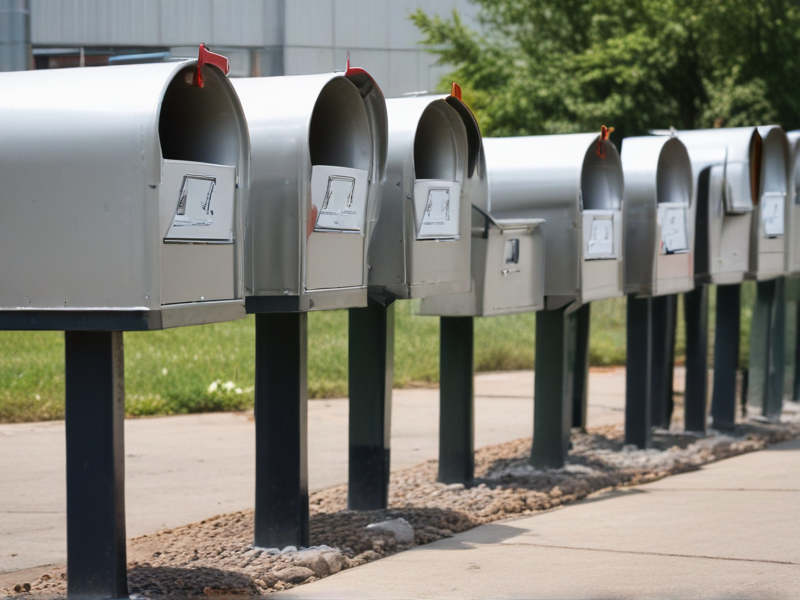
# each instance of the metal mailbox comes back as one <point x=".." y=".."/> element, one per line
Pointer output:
<point x="659" y="231"/>
<point x="123" y="198"/>
<point x="741" y="178"/>
<point x="421" y="245"/>
<point x="122" y="208"/>
<point x="575" y="183"/>
<point x="507" y="264"/>
<point x="318" y="157"/>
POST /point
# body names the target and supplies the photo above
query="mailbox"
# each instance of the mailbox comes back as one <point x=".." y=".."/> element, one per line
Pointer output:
<point x="421" y="245"/>
<point x="659" y="232"/>
<point x="123" y="198"/>
<point x="318" y="157"/>
<point x="575" y="183"/>
<point x="741" y="178"/>
<point x="507" y="263"/>
<point x="793" y="205"/>
<point x="122" y="208"/>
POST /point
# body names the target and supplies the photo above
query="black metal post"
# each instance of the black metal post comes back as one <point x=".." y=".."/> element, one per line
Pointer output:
<point x="580" y="390"/>
<point x="726" y="356"/>
<point x="638" y="371"/>
<point x="371" y="373"/>
<point x="695" y="308"/>
<point x="456" y="400"/>
<point x="662" y="347"/>
<point x="281" y="414"/>
<point x="552" y="406"/>
<point x="95" y="413"/>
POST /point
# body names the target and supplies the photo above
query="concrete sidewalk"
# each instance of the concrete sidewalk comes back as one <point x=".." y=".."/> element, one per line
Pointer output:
<point x="729" y="530"/>
<point x="184" y="469"/>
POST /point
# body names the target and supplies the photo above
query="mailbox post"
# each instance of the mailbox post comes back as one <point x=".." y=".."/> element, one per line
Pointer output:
<point x="420" y="248"/>
<point x="318" y="158"/>
<point x="575" y="183"/>
<point x="124" y="190"/>
<point x="793" y="269"/>
<point x="768" y="246"/>
<point x="507" y="265"/>
<point x="659" y="263"/>
<point x="740" y="174"/>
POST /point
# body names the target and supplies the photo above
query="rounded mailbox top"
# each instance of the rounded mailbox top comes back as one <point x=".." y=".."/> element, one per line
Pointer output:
<point x="657" y="169"/>
<point x="573" y="171"/>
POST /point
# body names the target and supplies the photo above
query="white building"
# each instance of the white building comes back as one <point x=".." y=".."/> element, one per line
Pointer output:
<point x="260" y="37"/>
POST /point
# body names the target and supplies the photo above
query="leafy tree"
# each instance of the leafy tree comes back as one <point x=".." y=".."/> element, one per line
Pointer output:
<point x="559" y="66"/>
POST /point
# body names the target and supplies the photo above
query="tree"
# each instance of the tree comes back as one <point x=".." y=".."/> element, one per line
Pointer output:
<point x="560" y="66"/>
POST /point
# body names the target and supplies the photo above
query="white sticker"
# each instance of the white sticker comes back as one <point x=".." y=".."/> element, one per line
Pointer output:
<point x="674" y="238"/>
<point x="601" y="238"/>
<point x="437" y="208"/>
<point x="772" y="213"/>
<point x="202" y="204"/>
<point x="339" y="195"/>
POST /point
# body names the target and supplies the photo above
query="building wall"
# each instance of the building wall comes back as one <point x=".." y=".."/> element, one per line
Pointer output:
<point x="260" y="37"/>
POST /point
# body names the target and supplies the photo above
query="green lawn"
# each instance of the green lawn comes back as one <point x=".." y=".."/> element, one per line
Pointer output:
<point x="210" y="368"/>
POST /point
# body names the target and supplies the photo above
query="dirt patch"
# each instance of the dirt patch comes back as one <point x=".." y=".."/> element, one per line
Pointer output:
<point x="216" y="558"/>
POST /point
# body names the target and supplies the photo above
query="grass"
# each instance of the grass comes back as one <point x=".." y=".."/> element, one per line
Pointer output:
<point x="210" y="368"/>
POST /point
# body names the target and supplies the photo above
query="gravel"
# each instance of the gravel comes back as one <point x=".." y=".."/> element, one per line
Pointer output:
<point x="215" y="557"/>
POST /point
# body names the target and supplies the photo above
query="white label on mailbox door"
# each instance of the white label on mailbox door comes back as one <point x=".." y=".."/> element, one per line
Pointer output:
<point x="437" y="209"/>
<point x="674" y="238"/>
<point x="339" y="195"/>
<point x="772" y="213"/>
<point x="601" y="238"/>
<point x="201" y="196"/>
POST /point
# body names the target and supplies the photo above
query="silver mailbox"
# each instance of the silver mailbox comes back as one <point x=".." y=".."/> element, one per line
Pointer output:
<point x="123" y="197"/>
<point x="421" y="244"/>
<point x="793" y="205"/>
<point x="507" y="262"/>
<point x="659" y="231"/>
<point x="318" y="159"/>
<point x="575" y="183"/>
<point x="741" y="178"/>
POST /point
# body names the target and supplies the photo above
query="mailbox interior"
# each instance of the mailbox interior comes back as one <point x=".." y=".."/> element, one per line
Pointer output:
<point x="602" y="192"/>
<point x="199" y="131"/>
<point x="438" y="252"/>
<point x="767" y="241"/>
<point x="340" y="150"/>
<point x="674" y="260"/>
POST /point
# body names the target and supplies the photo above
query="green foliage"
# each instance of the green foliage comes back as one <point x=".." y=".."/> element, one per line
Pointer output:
<point x="561" y="66"/>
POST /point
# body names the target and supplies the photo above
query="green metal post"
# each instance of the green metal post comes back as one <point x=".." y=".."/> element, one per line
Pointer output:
<point x="552" y="407"/>
<point x="765" y="385"/>
<point x="456" y="400"/>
